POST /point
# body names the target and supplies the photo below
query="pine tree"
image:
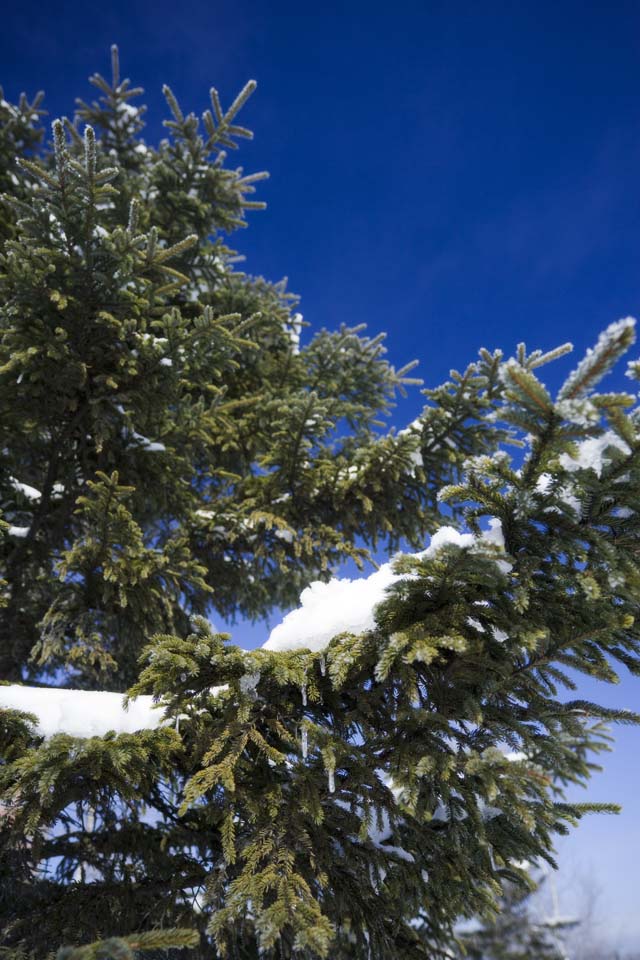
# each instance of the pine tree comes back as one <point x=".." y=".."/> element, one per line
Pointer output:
<point x="171" y="453"/>
<point x="515" y="932"/>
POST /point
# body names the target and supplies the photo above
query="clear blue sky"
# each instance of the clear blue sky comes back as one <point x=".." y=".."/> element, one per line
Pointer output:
<point x="455" y="174"/>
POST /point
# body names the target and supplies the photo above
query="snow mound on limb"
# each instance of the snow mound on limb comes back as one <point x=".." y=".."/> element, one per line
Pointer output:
<point x="347" y="606"/>
<point x="81" y="713"/>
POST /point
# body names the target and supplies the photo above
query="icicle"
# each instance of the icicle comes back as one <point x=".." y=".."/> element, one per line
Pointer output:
<point x="323" y="665"/>
<point x="365" y="934"/>
<point x="331" y="776"/>
<point x="305" y="742"/>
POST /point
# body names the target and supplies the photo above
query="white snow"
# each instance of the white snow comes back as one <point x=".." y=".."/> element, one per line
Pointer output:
<point x="448" y="535"/>
<point x="285" y="535"/>
<point x="18" y="531"/>
<point x="581" y="411"/>
<point x="127" y="108"/>
<point x="591" y="453"/>
<point x="413" y="428"/>
<point x="347" y="606"/>
<point x="27" y="491"/>
<point x="543" y="483"/>
<point x="328" y="609"/>
<point x="515" y="756"/>
<point x="416" y="458"/>
<point x="81" y="713"/>
<point x="149" y="445"/>
<point x="295" y="331"/>
<point x="494" y="534"/>
<point x="85" y="713"/>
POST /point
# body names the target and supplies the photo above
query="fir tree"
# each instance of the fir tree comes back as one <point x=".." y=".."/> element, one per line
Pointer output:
<point x="171" y="452"/>
<point x="515" y="932"/>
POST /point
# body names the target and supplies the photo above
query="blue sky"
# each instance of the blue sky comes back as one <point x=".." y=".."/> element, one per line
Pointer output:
<point x="455" y="174"/>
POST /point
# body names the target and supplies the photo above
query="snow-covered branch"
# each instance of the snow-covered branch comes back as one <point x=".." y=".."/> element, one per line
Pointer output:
<point x="81" y="713"/>
<point x="327" y="609"/>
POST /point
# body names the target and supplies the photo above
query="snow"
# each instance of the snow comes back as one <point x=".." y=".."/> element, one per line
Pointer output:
<point x="295" y="331"/>
<point x="285" y="535"/>
<point x="81" y="713"/>
<point x="85" y="713"/>
<point x="328" y="609"/>
<point x="127" y="108"/>
<point x="581" y="411"/>
<point x="149" y="445"/>
<point x="412" y="429"/>
<point x="591" y="453"/>
<point x="543" y="483"/>
<point x="515" y="756"/>
<point x="415" y="458"/>
<point x="18" y="531"/>
<point x="166" y="362"/>
<point x="29" y="492"/>
<point x="445" y="536"/>
<point x="494" y="534"/>
<point x="347" y="606"/>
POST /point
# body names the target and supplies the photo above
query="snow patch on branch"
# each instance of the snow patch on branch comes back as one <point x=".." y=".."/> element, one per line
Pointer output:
<point x="151" y="446"/>
<point x="18" y="531"/>
<point x="347" y="606"/>
<point x="81" y="713"/>
<point x="591" y="453"/>
<point x="328" y="609"/>
<point x="294" y="330"/>
<point x="25" y="489"/>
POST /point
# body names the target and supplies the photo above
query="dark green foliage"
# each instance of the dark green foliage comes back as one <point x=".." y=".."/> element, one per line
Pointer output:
<point x="167" y="453"/>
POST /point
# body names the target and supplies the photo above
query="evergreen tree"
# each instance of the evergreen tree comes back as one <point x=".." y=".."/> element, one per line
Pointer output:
<point x="170" y="452"/>
<point x="515" y="932"/>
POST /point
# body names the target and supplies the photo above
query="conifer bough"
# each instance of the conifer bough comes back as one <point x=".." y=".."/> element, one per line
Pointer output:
<point x="171" y="452"/>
